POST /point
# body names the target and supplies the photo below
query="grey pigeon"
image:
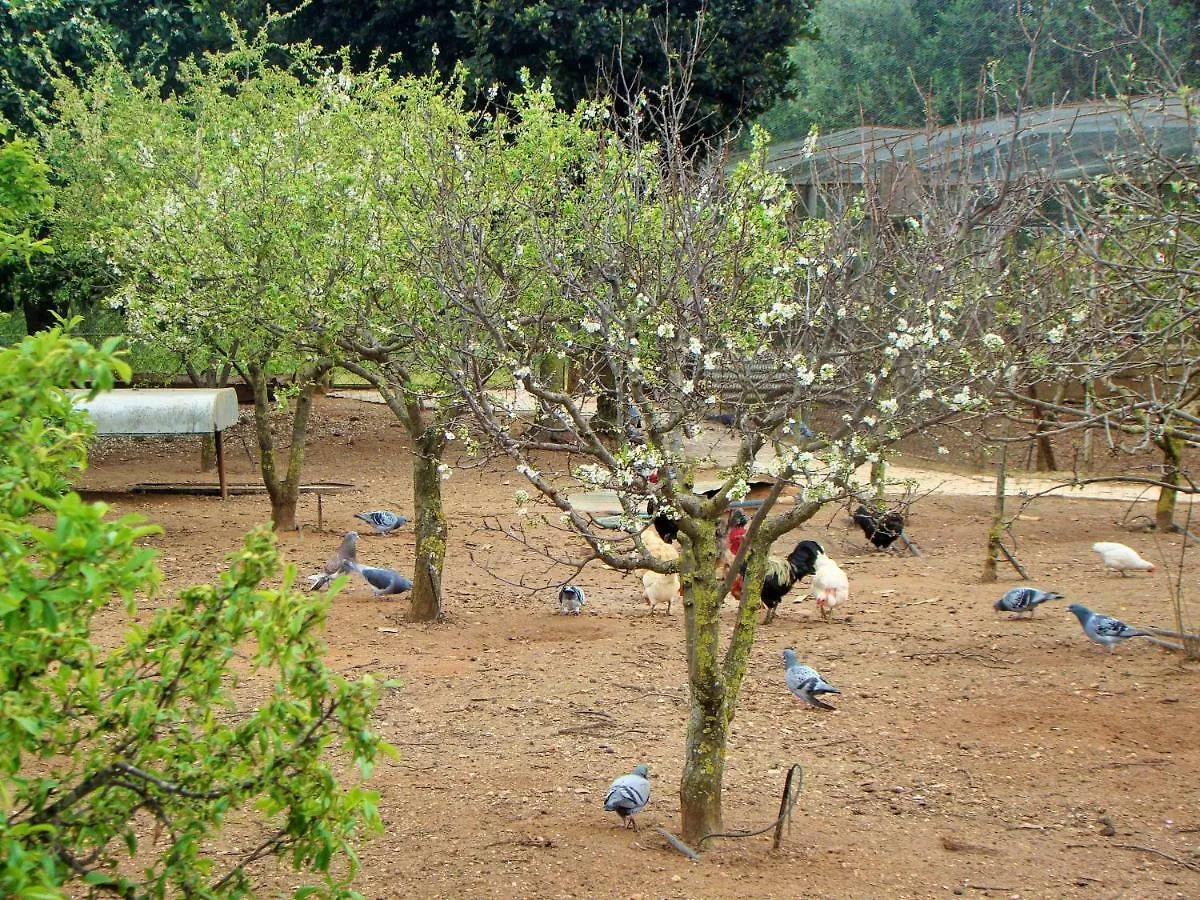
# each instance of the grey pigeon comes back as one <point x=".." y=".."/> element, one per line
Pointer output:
<point x="571" y="600"/>
<point x="382" y="521"/>
<point x="629" y="794"/>
<point x="347" y="552"/>
<point x="1024" y="600"/>
<point x="1103" y="629"/>
<point x="383" y="581"/>
<point x="804" y="682"/>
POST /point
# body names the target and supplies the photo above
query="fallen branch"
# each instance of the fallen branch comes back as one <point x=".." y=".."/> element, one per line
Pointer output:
<point x="1168" y="856"/>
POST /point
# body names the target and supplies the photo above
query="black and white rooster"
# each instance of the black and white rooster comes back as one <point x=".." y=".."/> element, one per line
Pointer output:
<point x="881" y="528"/>
<point x="782" y="574"/>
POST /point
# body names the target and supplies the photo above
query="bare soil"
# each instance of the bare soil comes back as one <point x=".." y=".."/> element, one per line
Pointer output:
<point x="970" y="753"/>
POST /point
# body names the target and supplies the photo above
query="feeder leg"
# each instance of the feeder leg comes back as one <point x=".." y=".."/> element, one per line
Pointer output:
<point x="221" y="465"/>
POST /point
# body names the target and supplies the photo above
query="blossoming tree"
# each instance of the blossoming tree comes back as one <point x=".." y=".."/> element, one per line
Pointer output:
<point x="682" y="286"/>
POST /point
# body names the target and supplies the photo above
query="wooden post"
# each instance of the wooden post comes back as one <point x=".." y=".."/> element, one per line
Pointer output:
<point x="221" y="465"/>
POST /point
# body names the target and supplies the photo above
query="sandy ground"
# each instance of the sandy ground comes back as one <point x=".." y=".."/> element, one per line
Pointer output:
<point x="970" y="754"/>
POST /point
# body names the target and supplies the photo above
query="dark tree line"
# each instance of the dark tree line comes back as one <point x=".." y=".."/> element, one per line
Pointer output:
<point x="906" y="62"/>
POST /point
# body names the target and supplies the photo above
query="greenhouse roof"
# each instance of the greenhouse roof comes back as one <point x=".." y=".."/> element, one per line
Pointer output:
<point x="1060" y="142"/>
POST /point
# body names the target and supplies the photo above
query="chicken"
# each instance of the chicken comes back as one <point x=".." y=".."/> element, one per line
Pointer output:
<point x="830" y="586"/>
<point x="732" y="542"/>
<point x="881" y="528"/>
<point x="1120" y="558"/>
<point x="659" y="587"/>
<point x="782" y="574"/>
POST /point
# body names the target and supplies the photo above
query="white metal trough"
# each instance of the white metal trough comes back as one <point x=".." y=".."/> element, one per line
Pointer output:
<point x="165" y="411"/>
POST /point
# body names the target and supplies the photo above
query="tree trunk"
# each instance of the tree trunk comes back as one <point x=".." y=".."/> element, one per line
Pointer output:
<point x="1164" y="510"/>
<point x="1045" y="461"/>
<point x="708" y="723"/>
<point x="425" y="602"/>
<point x="284" y="492"/>
<point x="996" y="532"/>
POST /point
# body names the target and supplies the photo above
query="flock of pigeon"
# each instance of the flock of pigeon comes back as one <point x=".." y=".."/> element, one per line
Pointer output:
<point x="629" y="794"/>
<point x="384" y="582"/>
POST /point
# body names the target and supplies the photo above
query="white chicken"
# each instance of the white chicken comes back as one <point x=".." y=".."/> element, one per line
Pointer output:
<point x="830" y="586"/>
<point x="1120" y="558"/>
<point x="660" y="588"/>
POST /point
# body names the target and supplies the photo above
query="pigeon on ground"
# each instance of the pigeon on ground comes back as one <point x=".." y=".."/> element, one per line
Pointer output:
<point x="571" y="600"/>
<point x="383" y="581"/>
<point x="1024" y="600"/>
<point x="629" y="794"/>
<point x="382" y="521"/>
<point x="347" y="552"/>
<point x="804" y="682"/>
<point x="1103" y="629"/>
<point x="1120" y="558"/>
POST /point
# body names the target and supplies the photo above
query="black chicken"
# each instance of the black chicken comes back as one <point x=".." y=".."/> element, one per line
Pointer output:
<point x="881" y="528"/>
<point x="667" y="527"/>
<point x="783" y="573"/>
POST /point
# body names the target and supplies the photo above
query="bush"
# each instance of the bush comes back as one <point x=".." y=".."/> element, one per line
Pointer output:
<point x="118" y="768"/>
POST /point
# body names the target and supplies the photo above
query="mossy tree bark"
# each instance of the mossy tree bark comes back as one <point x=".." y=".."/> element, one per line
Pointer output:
<point x="427" y="434"/>
<point x="425" y="603"/>
<point x="708" y="723"/>
<point x="715" y="681"/>
<point x="1164" y="510"/>
<point x="284" y="492"/>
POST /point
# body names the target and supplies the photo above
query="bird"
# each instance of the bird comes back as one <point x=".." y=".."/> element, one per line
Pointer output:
<point x="1120" y="558"/>
<point x="382" y="521"/>
<point x="804" y="682"/>
<point x="782" y="574"/>
<point x="1024" y="600"/>
<point x="830" y="586"/>
<point x="734" y="536"/>
<point x="346" y="552"/>
<point x="383" y="581"/>
<point x="628" y="795"/>
<point x="666" y="526"/>
<point x="881" y="528"/>
<point x="571" y="600"/>
<point x="660" y="587"/>
<point x="1103" y="629"/>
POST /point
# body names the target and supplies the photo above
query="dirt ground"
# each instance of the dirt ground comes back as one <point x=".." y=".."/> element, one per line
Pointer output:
<point x="970" y="754"/>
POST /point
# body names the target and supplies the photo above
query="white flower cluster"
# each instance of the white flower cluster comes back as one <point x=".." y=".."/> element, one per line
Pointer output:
<point x="993" y="342"/>
<point x="444" y="471"/>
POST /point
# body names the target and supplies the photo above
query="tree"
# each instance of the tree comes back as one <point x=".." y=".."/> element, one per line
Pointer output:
<point x="682" y="288"/>
<point x="231" y="211"/>
<point x="1123" y="333"/>
<point x="743" y="69"/>
<point x="409" y="136"/>
<point x="41" y="40"/>
<point x="24" y="196"/>
<point x="102" y="745"/>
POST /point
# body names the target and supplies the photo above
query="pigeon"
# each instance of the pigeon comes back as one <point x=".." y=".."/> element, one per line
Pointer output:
<point x="382" y="581"/>
<point x="347" y="552"/>
<point x="804" y="682"/>
<point x="1024" y="600"/>
<point x="829" y="585"/>
<point x="1103" y="629"/>
<point x="629" y="794"/>
<point x="382" y="521"/>
<point x="1120" y="558"/>
<point x="571" y="600"/>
